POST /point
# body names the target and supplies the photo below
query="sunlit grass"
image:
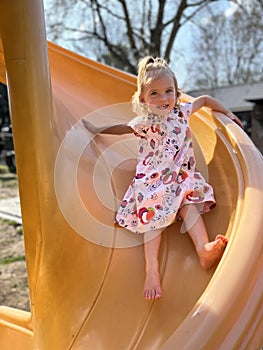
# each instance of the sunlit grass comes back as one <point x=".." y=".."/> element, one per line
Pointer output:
<point x="10" y="259"/>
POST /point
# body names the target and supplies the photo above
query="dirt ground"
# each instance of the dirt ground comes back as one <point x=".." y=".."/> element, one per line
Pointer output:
<point x="13" y="275"/>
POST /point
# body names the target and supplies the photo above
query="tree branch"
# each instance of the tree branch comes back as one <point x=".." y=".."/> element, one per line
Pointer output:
<point x="156" y="32"/>
<point x="130" y="33"/>
<point x="176" y="26"/>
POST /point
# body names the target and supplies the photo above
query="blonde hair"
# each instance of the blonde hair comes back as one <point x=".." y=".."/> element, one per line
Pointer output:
<point x="150" y="68"/>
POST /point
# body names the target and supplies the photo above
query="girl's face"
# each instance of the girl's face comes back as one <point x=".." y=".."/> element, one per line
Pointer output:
<point x="160" y="94"/>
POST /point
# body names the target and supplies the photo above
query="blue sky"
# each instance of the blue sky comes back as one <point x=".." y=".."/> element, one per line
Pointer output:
<point x="184" y="44"/>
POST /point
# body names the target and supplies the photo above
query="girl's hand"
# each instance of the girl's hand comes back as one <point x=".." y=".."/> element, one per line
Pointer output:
<point x="88" y="125"/>
<point x="235" y="119"/>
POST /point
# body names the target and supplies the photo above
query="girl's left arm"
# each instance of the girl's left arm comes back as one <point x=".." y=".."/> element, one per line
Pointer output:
<point x="215" y="105"/>
<point x="118" y="129"/>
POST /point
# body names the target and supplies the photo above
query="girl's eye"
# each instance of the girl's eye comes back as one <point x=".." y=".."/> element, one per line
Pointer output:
<point x="169" y="91"/>
<point x="153" y="93"/>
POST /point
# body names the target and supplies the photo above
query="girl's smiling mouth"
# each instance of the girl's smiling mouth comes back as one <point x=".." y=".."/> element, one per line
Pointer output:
<point x="162" y="107"/>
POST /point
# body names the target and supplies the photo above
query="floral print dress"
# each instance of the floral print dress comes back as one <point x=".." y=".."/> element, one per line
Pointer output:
<point x="166" y="177"/>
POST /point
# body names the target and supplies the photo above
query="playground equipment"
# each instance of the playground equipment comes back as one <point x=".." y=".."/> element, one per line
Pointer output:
<point x="85" y="280"/>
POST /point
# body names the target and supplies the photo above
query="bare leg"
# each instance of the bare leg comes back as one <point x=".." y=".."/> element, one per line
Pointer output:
<point x="152" y="286"/>
<point x="209" y="253"/>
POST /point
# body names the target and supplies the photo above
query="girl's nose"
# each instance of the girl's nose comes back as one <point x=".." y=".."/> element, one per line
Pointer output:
<point x="163" y="97"/>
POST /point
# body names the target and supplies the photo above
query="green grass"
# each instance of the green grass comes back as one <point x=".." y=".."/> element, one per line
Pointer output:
<point x="10" y="222"/>
<point x="3" y="169"/>
<point x="8" y="180"/>
<point x="10" y="259"/>
<point x="18" y="227"/>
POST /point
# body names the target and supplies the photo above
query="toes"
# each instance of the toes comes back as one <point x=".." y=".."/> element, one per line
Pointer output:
<point x="152" y="294"/>
<point x="213" y="252"/>
<point x="158" y="296"/>
<point x="222" y="238"/>
<point x="148" y="295"/>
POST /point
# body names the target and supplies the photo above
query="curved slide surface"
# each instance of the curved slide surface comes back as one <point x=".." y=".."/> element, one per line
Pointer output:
<point x="85" y="275"/>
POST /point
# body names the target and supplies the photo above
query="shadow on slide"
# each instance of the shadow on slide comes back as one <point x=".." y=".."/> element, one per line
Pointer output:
<point x="85" y="275"/>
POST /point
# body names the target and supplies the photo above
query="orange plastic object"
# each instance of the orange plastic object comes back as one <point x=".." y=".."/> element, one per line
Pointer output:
<point x="85" y="293"/>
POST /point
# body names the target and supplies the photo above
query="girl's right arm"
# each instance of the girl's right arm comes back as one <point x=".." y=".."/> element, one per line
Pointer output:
<point x="118" y="129"/>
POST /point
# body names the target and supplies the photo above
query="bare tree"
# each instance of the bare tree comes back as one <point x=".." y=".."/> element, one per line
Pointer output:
<point x="120" y="32"/>
<point x="228" y="47"/>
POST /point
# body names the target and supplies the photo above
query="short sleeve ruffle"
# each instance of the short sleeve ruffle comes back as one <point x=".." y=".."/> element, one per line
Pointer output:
<point x="186" y="109"/>
<point x="139" y="126"/>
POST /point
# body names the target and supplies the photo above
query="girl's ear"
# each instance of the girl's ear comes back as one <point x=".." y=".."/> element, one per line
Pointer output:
<point x="141" y="99"/>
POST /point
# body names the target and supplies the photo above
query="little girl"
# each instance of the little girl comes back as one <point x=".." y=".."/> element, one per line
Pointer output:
<point x="167" y="185"/>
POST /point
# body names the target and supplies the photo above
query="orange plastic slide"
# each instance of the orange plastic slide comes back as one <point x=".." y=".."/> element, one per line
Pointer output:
<point x="85" y="275"/>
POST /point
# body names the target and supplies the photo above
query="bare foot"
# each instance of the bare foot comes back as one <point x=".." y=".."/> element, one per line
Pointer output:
<point x="152" y="286"/>
<point x="212" y="252"/>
